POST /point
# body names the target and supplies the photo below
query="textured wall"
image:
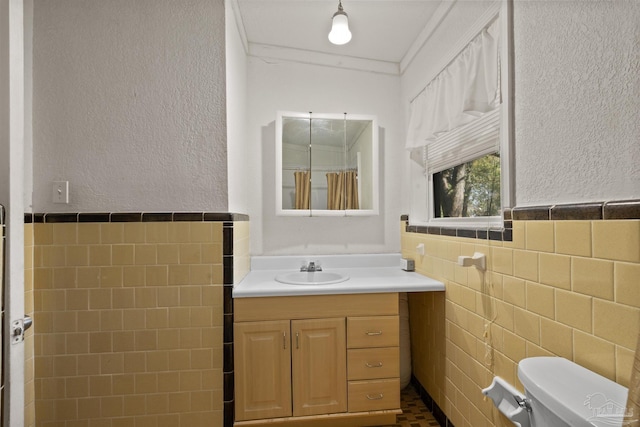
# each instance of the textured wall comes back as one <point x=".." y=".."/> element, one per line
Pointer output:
<point x="129" y="104"/>
<point x="577" y="71"/>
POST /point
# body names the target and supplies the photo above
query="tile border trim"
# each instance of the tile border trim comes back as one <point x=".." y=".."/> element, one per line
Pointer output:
<point x="228" y="370"/>
<point x="590" y="211"/>
<point x="498" y="234"/>
<point x="70" y="217"/>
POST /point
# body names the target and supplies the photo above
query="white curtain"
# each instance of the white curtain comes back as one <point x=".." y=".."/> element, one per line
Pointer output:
<point x="466" y="89"/>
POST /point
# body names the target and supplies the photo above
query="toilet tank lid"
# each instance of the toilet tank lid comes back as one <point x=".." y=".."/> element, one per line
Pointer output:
<point x="576" y="394"/>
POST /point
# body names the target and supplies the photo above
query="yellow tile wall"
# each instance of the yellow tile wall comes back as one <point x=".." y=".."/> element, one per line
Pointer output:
<point x="128" y="324"/>
<point x="565" y="288"/>
<point x="241" y="250"/>
<point x="29" y="385"/>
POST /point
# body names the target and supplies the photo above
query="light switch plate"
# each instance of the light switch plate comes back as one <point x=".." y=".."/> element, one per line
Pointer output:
<point x="60" y="192"/>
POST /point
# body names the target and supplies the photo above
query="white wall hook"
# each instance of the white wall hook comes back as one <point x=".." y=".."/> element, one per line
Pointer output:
<point x="478" y="260"/>
<point x="420" y="249"/>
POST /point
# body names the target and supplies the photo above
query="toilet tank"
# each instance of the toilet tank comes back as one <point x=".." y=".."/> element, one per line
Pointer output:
<point x="564" y="393"/>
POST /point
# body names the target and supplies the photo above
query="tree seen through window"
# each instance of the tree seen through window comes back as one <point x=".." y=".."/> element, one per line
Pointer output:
<point x="471" y="189"/>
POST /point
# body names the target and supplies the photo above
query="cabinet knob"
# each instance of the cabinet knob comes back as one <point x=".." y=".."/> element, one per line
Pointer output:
<point x="376" y="365"/>
<point x="375" y="396"/>
<point x="373" y="333"/>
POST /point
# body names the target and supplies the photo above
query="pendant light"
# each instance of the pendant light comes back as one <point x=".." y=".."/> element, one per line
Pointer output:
<point x="340" y="33"/>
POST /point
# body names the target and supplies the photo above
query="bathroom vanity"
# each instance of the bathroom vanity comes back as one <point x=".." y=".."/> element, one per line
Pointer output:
<point x="320" y="354"/>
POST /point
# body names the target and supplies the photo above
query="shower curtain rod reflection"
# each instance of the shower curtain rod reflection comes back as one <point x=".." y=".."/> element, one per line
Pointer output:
<point x="300" y="169"/>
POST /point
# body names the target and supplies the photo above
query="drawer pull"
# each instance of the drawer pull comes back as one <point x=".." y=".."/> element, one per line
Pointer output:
<point x="369" y="365"/>
<point x="371" y="334"/>
<point x="375" y="396"/>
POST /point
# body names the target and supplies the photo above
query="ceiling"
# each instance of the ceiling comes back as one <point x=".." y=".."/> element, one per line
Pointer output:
<point x="384" y="31"/>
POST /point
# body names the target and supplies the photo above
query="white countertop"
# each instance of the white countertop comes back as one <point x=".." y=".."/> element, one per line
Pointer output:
<point x="368" y="273"/>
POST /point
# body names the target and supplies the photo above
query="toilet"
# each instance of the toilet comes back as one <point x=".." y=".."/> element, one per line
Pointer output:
<point x="559" y="393"/>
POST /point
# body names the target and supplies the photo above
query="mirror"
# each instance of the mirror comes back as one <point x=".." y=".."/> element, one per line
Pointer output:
<point x="326" y="164"/>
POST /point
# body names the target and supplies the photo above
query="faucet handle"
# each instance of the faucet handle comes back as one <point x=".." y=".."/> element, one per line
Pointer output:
<point x="311" y="267"/>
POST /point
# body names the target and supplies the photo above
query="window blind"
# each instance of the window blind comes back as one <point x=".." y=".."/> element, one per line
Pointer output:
<point x="465" y="143"/>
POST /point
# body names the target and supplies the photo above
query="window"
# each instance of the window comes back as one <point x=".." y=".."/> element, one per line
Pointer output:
<point x="463" y="169"/>
<point x="459" y="133"/>
<point x="471" y="189"/>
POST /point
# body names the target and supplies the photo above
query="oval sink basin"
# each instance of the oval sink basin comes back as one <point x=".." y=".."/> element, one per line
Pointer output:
<point x="311" y="278"/>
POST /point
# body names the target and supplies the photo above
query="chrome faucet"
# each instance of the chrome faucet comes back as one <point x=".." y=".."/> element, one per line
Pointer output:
<point x="311" y="267"/>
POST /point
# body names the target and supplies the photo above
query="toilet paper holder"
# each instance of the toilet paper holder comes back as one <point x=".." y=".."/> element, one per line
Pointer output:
<point x="513" y="404"/>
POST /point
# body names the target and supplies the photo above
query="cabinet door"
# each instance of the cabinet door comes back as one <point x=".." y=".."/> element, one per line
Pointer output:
<point x="319" y="366"/>
<point x="262" y="370"/>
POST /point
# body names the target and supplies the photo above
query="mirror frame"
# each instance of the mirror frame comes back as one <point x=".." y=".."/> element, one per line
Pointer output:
<point x="374" y="160"/>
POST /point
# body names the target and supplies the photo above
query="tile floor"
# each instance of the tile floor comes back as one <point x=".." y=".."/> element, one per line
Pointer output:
<point x="414" y="412"/>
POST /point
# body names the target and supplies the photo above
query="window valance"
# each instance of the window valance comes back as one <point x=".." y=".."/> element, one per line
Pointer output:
<point x="468" y="88"/>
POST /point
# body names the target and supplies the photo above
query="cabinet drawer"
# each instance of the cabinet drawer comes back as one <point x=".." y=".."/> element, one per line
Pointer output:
<point x="369" y="363"/>
<point x="374" y="331"/>
<point x="374" y="395"/>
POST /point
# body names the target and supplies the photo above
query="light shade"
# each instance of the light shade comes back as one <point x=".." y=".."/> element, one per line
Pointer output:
<point x="340" y="33"/>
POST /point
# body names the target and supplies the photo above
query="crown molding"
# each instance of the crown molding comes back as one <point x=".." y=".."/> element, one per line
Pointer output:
<point x="324" y="59"/>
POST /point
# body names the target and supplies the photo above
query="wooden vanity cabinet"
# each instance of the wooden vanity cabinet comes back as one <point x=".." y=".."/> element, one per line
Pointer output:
<point x="325" y="360"/>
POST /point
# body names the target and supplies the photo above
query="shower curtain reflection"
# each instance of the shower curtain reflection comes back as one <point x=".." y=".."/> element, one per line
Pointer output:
<point x="342" y="190"/>
<point x="303" y="187"/>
